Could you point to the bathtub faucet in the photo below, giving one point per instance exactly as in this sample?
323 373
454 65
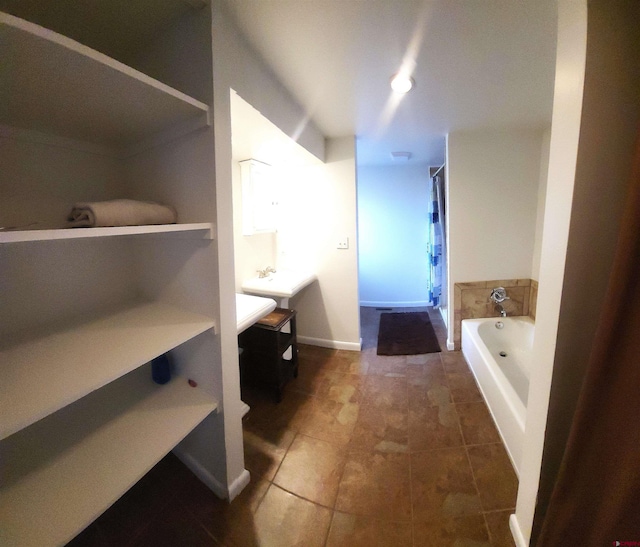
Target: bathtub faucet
498 296
501 309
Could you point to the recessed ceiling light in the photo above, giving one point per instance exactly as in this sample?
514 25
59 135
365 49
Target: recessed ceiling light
401 83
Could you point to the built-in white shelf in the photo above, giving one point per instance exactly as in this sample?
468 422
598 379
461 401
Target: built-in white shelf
56 85
43 374
202 230
64 471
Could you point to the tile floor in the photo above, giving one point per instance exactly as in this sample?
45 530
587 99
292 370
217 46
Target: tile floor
363 450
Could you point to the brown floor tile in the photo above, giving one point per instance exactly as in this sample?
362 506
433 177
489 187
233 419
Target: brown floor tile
463 387
441 335
429 360
442 485
312 469
381 429
288 414
434 427
495 477
341 387
330 421
284 519
469 531
259 400
384 392
310 376
220 517
344 433
264 449
348 362
384 365
124 521
428 386
175 526
369 326
92 536
499 530
353 531
477 424
376 485
314 354
454 362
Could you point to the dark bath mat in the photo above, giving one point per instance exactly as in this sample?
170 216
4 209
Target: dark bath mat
406 334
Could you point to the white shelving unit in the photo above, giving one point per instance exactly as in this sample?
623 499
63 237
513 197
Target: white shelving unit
46 373
71 466
80 418
202 230
57 85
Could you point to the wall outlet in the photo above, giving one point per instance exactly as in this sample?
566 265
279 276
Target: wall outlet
343 243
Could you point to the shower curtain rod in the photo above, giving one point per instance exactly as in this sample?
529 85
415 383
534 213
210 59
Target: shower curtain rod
439 169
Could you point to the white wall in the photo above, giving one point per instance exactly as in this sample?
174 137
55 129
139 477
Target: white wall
324 212
254 136
393 235
179 57
565 127
597 131
236 66
493 180
542 194
316 208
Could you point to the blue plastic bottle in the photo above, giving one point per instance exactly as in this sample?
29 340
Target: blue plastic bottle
160 369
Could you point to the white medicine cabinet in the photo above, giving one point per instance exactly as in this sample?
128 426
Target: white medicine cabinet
259 197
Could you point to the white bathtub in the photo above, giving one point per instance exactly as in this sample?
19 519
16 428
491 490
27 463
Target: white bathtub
500 359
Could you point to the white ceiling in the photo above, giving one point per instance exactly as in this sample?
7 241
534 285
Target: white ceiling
254 137
478 64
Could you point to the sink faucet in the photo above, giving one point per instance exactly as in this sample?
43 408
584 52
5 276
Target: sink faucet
264 273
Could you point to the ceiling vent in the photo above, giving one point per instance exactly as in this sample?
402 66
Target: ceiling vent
401 157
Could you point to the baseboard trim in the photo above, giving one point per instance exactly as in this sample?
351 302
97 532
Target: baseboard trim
238 485
244 408
203 474
333 344
444 313
413 304
516 532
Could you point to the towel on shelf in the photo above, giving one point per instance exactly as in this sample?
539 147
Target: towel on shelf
120 212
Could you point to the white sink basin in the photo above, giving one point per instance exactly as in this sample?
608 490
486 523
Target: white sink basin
250 309
282 284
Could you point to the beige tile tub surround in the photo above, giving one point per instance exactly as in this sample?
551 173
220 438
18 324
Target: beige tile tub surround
471 301
533 299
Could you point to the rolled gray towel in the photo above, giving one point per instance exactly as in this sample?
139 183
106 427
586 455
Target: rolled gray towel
120 212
